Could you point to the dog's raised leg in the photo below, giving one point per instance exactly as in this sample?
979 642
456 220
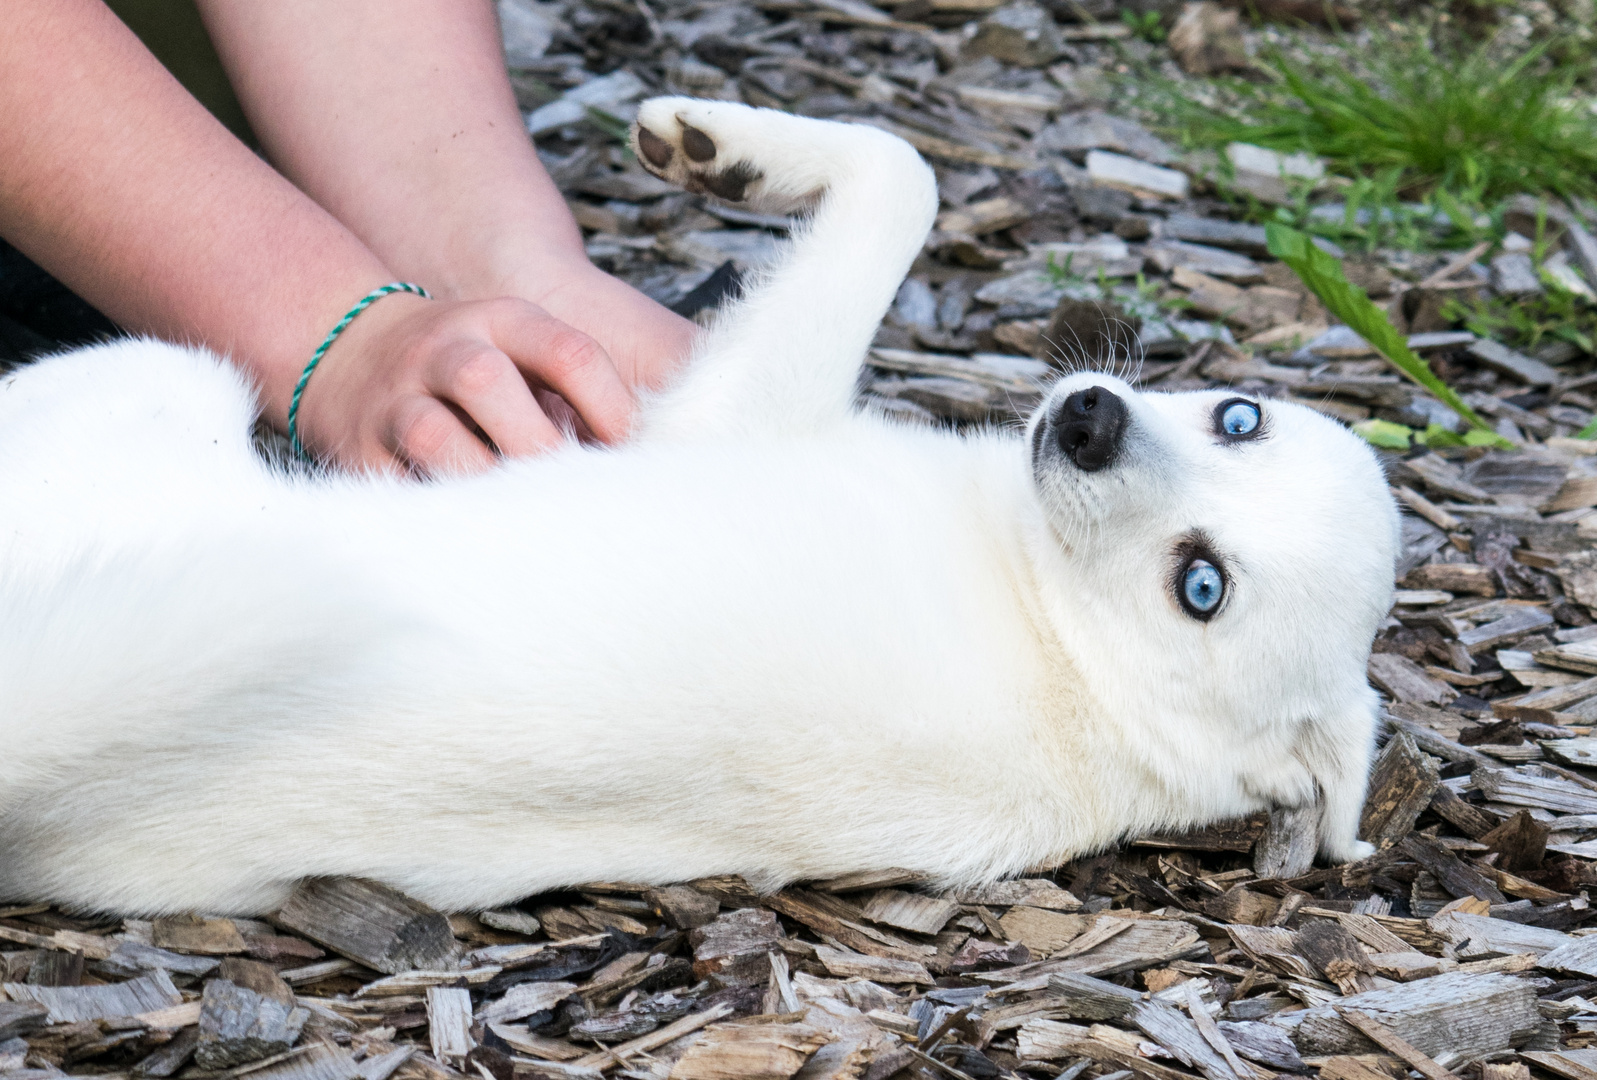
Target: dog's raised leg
784 359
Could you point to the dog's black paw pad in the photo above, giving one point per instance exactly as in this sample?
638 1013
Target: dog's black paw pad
655 149
731 184
696 144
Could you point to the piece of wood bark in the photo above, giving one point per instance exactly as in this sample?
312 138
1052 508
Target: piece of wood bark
1086 998
1113 945
21 1018
202 937
170 1056
1286 847
1578 955
1369 930
1518 787
909 911
314 1061
1394 1043
1238 835
449 1023
1343 1067
1180 1035
1022 892
1402 718
682 906
749 1052
1050 1040
1405 965
733 947
1242 905
73 1004
382 1066
1214 1036
132 959
1042 931
1406 681
1273 948
1456 1013
247 1013
833 917
1401 786
1471 821
51 968
1521 841
1262 1042
1571 1064
1452 873
1337 953
371 924
654 1040
1480 936
865 880
524 1000
881 969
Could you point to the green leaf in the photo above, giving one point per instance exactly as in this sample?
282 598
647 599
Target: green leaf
1437 435
1384 433
1322 273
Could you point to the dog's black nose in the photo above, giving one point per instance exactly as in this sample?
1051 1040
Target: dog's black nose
1088 426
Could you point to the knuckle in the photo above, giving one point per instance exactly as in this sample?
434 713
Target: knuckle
476 373
570 351
423 432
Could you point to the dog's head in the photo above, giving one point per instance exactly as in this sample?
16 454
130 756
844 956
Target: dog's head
1221 557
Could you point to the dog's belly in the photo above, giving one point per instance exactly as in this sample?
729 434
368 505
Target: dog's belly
778 661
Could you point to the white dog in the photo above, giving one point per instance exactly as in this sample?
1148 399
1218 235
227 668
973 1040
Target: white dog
772 636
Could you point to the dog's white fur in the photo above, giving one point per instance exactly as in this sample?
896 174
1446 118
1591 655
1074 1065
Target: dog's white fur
771 636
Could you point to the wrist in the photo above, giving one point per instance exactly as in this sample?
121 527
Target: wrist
277 375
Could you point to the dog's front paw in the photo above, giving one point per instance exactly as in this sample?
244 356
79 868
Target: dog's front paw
686 141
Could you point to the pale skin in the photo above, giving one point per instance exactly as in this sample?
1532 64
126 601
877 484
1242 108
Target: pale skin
399 154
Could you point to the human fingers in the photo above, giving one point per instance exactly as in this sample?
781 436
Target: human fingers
428 437
568 362
484 384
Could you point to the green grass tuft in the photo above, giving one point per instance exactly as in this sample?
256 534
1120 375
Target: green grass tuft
1436 119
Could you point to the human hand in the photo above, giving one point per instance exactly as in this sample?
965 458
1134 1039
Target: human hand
646 342
411 383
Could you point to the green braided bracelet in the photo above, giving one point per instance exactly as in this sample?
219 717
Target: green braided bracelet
327 343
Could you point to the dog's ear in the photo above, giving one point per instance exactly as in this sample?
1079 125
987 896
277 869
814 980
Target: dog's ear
1337 750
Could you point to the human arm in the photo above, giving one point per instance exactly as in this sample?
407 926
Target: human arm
121 185
397 116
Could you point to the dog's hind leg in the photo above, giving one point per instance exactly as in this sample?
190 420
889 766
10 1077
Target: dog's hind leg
1337 753
785 358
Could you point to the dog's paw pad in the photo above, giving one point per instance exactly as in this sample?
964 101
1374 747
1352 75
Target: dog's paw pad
683 152
653 149
696 144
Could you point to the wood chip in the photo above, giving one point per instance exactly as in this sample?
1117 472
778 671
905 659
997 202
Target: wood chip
72 1004
370 924
749 1052
1456 1013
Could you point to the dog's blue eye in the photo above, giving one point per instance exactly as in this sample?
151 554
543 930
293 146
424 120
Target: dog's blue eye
1239 418
1203 586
